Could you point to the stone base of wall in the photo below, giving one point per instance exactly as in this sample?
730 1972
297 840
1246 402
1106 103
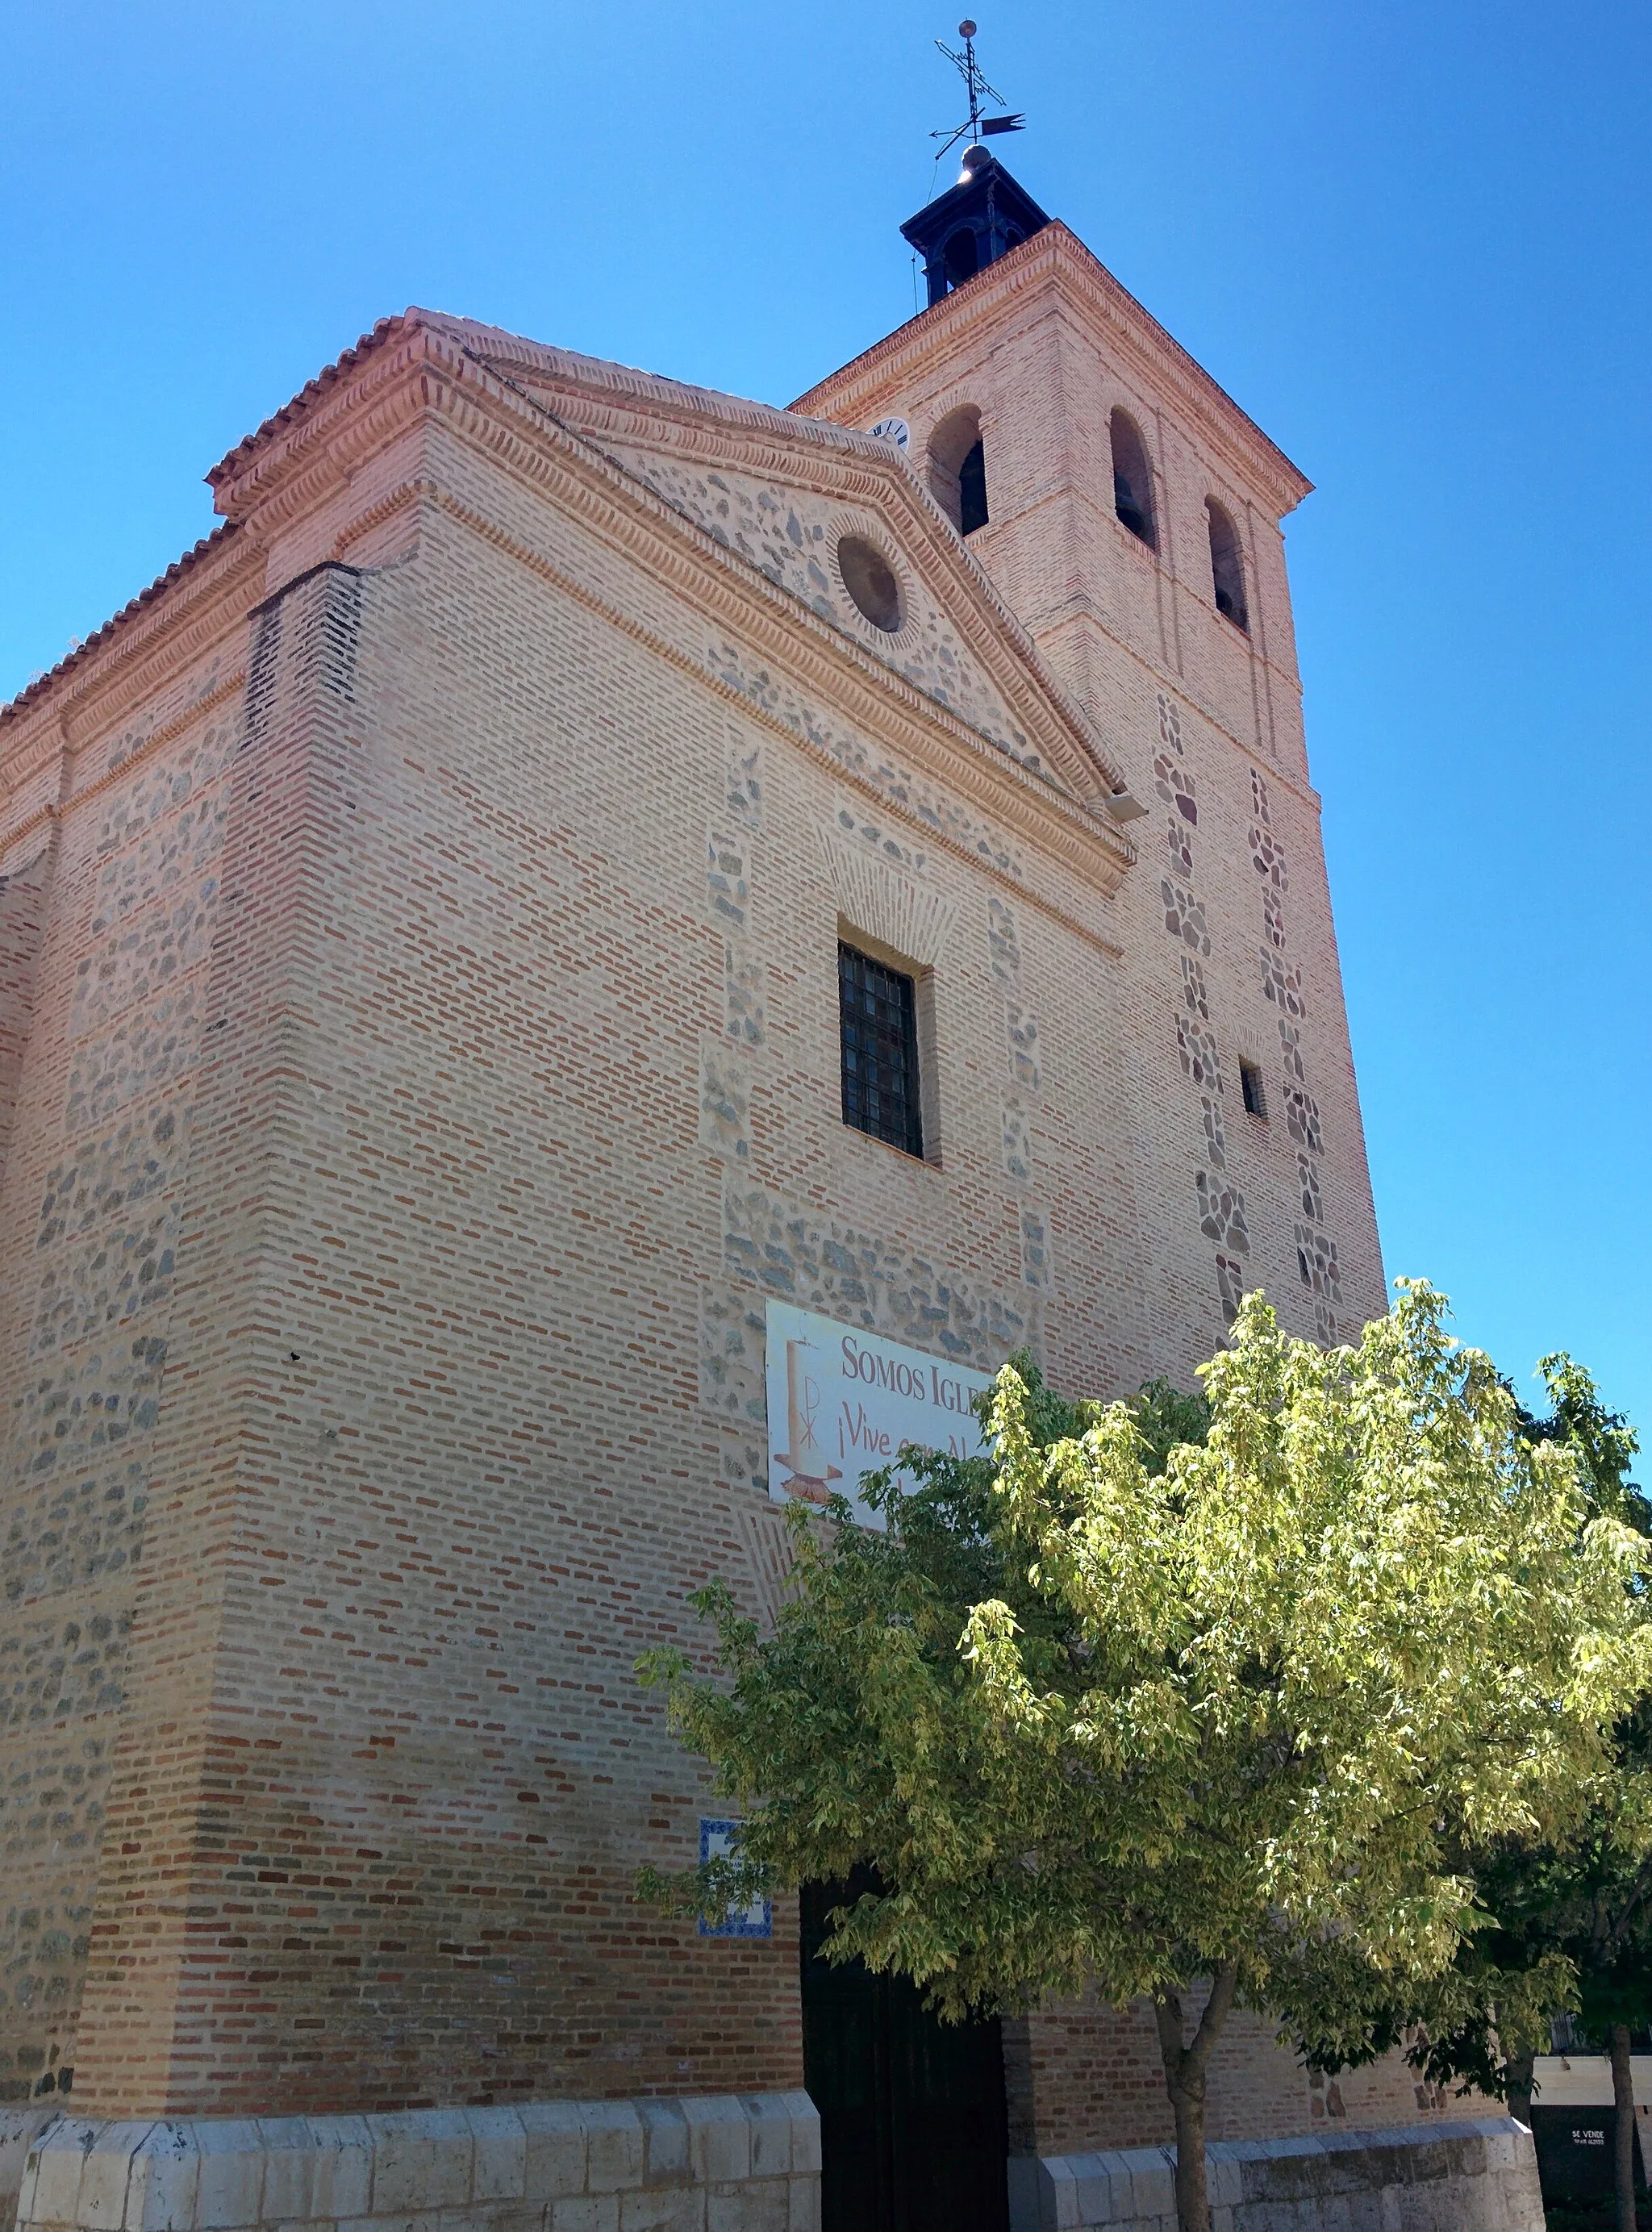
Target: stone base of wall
1468 2177
713 2164
19 2128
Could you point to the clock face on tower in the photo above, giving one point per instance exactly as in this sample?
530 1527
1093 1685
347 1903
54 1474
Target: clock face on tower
892 429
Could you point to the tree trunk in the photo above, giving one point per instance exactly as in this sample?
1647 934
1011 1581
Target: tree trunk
1516 2085
1186 2069
1623 2102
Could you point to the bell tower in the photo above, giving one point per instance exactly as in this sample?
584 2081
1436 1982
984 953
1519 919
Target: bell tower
1130 516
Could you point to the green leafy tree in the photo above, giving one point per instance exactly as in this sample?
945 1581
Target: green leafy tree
1186 1703
1570 1927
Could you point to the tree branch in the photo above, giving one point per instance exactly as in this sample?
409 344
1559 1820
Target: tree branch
1223 1987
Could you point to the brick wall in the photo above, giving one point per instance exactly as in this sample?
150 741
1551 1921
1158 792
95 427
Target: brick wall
431 1064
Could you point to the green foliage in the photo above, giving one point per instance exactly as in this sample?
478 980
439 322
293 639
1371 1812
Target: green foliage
1227 1687
1568 1925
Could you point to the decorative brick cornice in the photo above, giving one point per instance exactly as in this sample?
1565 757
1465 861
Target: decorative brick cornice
419 367
1056 261
194 605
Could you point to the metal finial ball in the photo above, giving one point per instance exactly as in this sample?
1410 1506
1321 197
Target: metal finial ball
966 29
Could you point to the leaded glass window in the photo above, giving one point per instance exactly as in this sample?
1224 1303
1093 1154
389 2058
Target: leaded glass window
877 1011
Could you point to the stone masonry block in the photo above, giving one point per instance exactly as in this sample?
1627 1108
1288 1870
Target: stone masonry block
664 2209
722 2141
1059 2196
753 2205
771 2135
51 2179
806 2133
591 2212
499 2167
421 2161
1415 2178
1223 2175
315 2167
489 2217
229 2191
1098 2200
665 2143
164 2184
614 2145
803 2205
725 1102
555 2139
101 2201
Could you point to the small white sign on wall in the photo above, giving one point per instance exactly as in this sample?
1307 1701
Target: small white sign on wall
842 1402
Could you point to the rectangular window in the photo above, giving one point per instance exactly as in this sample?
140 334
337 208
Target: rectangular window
1250 1084
878 1019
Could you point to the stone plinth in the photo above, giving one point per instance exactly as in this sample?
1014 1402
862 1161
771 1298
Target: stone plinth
710 2164
1471 2176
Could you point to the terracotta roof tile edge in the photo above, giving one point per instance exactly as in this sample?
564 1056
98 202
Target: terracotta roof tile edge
31 691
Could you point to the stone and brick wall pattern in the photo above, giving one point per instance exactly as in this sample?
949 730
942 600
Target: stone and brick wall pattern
428 1065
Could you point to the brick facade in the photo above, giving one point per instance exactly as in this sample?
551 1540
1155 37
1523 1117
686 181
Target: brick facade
419 1060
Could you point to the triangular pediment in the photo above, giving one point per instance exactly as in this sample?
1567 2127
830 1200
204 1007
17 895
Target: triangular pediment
781 494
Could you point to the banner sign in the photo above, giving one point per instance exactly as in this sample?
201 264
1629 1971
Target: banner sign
842 1401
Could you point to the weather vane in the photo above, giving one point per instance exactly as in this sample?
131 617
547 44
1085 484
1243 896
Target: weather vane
978 127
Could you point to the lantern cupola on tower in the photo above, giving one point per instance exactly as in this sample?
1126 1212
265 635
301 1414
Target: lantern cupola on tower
973 223
986 213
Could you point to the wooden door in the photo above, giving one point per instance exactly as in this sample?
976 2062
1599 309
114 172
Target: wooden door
912 2128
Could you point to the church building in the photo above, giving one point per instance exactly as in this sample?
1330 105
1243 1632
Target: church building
594 953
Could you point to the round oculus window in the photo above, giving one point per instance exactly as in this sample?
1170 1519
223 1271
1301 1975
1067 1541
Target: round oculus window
870 579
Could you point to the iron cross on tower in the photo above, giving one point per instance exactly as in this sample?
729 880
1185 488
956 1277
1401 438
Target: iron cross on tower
978 127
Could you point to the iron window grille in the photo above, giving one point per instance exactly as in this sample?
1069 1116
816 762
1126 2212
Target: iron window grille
878 1016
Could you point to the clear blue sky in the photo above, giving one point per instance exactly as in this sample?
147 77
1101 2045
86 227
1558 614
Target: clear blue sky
1411 239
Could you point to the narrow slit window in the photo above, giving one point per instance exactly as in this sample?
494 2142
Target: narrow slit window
1250 1085
877 1020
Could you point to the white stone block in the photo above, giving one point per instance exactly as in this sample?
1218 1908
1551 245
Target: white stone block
770 2125
1225 2177
1094 2185
614 2143
317 2167
722 2141
229 2191
163 2179
591 2212
499 2163
51 2186
400 2221
806 2132
421 2161
101 2202
20 2129
553 2133
803 2204
1061 2193
753 2205
664 2209
666 2154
